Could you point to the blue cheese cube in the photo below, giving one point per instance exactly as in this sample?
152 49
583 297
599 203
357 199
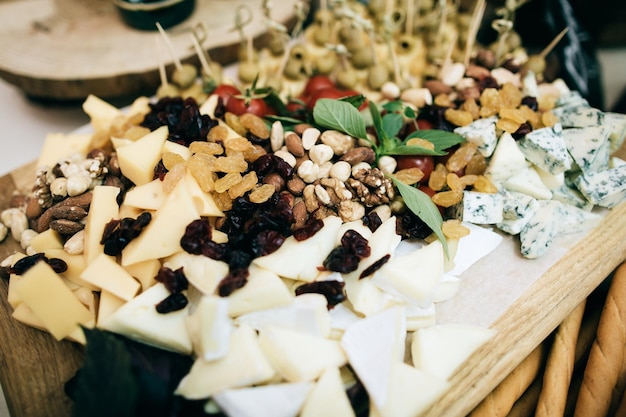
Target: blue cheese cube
571 196
506 161
605 188
617 123
589 146
537 236
481 132
577 220
546 148
551 181
572 98
479 208
579 116
528 182
518 209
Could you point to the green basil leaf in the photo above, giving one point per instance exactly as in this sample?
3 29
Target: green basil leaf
356 100
409 113
440 138
392 123
423 207
378 122
339 115
393 106
413 150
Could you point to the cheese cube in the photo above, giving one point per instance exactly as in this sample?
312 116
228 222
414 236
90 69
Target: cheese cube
605 188
589 146
546 148
537 236
48 239
106 274
507 159
528 182
59 310
580 115
263 290
481 132
58 146
103 209
479 208
328 397
138 159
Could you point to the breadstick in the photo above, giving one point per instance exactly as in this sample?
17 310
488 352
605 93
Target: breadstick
525 406
500 401
560 366
607 353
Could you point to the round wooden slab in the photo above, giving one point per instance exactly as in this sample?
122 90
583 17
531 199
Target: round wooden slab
67 49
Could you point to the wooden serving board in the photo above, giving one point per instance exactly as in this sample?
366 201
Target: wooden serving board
524 300
68 49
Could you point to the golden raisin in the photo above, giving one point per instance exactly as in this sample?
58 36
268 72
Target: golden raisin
546 102
262 194
254 153
424 143
469 179
515 115
217 134
223 201
448 198
208 148
454 182
173 177
201 166
233 164
227 181
484 185
442 100
409 176
491 99
549 119
458 117
461 157
170 159
233 121
437 179
238 144
255 125
471 107
477 165
453 229
247 183
511 95
507 125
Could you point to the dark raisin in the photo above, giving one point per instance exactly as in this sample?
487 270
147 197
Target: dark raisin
332 290
530 102
374 267
233 281
355 243
214 250
524 129
159 171
372 220
196 234
266 242
341 260
172 302
174 281
410 226
22 265
119 233
487 82
58 265
311 227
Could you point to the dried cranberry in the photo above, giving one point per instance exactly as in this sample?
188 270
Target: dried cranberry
233 281
58 265
196 234
355 243
174 281
374 267
531 102
119 233
159 171
372 220
487 82
311 227
266 242
341 260
332 290
524 129
410 226
172 302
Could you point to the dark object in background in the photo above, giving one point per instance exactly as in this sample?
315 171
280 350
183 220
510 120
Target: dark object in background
573 59
144 14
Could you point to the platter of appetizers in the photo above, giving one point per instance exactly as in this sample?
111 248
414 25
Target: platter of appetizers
298 238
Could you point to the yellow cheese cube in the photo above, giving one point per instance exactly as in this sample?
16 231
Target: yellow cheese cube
120 142
103 209
149 196
176 148
162 236
101 113
48 239
145 272
75 266
204 201
44 292
138 159
108 304
58 146
107 275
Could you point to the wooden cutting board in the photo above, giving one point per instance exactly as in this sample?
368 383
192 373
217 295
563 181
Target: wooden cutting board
68 49
524 300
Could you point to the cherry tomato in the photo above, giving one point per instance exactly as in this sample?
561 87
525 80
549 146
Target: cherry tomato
426 190
239 106
226 91
423 162
317 82
329 92
424 124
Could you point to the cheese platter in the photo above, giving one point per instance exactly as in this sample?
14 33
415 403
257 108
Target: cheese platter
502 280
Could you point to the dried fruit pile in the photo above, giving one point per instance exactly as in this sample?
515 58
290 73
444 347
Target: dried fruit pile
287 244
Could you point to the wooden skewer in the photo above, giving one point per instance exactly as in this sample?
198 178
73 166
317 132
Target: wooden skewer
477 17
201 55
170 46
552 44
162 74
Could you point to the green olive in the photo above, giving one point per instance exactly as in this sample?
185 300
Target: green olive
248 71
405 44
513 40
167 90
352 38
295 70
276 46
377 76
185 75
346 79
362 58
536 64
326 64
